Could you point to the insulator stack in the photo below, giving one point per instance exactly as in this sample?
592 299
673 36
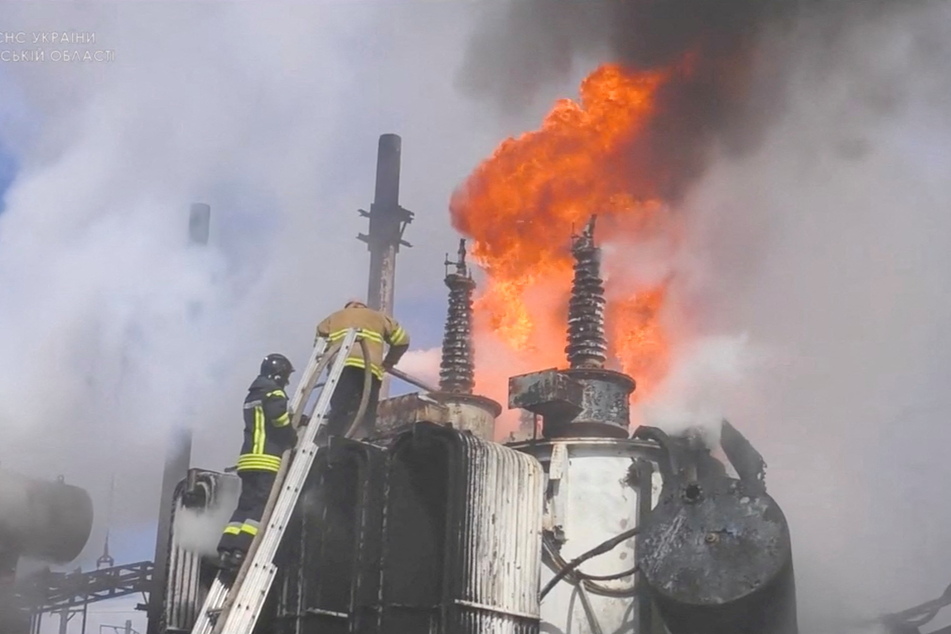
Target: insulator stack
456 369
587 346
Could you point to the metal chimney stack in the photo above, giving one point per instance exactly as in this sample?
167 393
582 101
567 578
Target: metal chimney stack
586 400
456 373
388 221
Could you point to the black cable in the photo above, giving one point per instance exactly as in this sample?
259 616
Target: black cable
576 576
614 577
920 614
577 561
550 550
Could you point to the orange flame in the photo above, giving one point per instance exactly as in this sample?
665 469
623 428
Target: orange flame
521 205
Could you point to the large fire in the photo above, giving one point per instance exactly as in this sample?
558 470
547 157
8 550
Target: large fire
521 205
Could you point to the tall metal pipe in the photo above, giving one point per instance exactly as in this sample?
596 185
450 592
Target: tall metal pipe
385 236
387 222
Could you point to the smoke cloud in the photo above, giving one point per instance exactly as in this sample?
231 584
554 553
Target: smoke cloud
422 364
199 531
722 90
811 290
115 330
808 300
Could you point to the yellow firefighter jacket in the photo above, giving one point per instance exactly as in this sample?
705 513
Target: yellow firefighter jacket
373 327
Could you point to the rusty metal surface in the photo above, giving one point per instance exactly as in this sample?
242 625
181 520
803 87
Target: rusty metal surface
461 535
400 412
605 404
550 393
576 402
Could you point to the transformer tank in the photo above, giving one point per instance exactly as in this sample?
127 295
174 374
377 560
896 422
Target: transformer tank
716 554
49 521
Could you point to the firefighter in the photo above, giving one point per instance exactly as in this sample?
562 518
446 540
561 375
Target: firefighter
267 434
376 329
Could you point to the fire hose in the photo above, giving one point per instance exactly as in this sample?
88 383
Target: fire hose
367 379
412 380
365 395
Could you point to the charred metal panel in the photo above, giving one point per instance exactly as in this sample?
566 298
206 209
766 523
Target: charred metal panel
717 555
414 534
720 557
547 393
397 414
202 504
605 405
576 402
461 536
329 565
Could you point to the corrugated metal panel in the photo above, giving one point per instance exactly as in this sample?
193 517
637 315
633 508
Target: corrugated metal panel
499 533
462 535
187 579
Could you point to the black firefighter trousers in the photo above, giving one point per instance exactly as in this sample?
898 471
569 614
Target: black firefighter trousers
246 519
345 401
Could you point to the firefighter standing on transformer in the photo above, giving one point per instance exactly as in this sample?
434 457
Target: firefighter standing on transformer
376 329
267 434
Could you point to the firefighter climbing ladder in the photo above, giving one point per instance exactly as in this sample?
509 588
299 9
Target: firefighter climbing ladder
234 608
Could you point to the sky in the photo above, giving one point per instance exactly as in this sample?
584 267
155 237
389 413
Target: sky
818 262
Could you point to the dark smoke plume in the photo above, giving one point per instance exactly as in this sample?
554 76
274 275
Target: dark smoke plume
731 56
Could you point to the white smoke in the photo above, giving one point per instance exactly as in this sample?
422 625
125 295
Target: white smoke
113 329
199 531
422 364
812 300
705 375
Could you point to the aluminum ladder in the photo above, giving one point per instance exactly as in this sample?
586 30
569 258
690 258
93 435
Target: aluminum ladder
233 607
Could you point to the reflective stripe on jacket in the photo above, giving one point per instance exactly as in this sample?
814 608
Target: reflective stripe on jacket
267 430
374 327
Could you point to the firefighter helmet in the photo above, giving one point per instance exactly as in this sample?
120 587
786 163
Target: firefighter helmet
277 367
355 303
